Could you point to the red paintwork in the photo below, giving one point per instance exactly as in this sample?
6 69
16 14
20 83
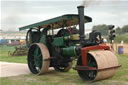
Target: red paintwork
85 50
70 23
85 68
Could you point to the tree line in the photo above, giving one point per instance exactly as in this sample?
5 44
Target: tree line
104 29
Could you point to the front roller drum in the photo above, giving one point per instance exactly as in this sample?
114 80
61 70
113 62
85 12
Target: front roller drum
105 62
38 56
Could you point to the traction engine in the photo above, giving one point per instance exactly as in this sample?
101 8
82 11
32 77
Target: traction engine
57 42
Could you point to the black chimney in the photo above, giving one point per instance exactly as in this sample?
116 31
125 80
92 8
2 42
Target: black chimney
81 23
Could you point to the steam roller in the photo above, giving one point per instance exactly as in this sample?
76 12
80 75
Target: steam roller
49 47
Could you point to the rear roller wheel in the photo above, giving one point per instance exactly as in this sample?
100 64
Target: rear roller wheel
37 55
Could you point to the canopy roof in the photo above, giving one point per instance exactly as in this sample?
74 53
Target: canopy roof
58 22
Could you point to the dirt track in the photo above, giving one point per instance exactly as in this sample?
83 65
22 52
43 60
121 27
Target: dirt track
13 69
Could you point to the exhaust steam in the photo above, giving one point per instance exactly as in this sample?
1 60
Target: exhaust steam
88 3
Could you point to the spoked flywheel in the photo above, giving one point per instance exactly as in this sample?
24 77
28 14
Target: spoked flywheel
37 58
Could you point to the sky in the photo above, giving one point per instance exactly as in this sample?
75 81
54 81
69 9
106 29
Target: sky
18 13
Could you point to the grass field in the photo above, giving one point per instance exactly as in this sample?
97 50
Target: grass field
58 78
5 57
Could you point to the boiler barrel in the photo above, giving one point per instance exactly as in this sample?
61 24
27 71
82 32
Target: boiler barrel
69 51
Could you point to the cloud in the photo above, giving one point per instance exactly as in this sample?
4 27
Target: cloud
20 13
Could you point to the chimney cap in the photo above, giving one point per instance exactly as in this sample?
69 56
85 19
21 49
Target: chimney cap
80 6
